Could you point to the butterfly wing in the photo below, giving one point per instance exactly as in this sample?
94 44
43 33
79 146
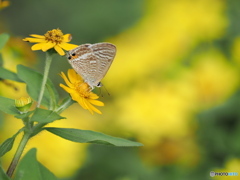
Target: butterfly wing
104 53
92 61
80 58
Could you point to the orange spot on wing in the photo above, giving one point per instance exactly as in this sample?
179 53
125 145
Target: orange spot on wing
73 57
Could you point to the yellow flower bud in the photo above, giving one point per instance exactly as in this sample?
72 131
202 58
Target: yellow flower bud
23 104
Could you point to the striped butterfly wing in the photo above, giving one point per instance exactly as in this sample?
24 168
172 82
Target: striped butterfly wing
92 61
104 53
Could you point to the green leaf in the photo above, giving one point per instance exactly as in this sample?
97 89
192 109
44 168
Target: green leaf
45 116
3 175
8 106
1 60
30 169
33 80
87 136
7 144
3 40
6 74
24 115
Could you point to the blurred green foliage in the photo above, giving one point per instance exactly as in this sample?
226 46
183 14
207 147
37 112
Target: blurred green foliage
219 132
88 21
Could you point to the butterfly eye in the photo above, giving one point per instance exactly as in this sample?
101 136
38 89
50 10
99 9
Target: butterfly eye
73 54
69 57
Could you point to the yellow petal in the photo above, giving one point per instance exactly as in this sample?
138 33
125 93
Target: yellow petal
93 96
78 77
87 107
66 80
72 75
25 39
75 96
96 102
59 50
82 103
67 37
48 46
67 89
38 46
37 36
68 46
33 40
92 107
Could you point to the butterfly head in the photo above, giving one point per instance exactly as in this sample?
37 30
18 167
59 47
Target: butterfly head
78 51
99 84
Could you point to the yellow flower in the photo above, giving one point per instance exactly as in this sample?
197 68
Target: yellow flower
52 39
80 91
4 4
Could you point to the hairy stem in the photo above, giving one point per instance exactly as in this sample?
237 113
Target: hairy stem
18 154
45 76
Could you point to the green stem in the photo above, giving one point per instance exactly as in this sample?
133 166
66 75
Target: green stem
68 102
45 76
29 125
38 127
18 154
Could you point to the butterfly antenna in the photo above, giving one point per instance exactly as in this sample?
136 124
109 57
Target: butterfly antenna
100 92
106 90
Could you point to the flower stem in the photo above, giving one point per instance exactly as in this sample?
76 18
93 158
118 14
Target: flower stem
68 102
18 154
45 76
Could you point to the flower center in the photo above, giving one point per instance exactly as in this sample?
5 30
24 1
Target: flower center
82 89
55 36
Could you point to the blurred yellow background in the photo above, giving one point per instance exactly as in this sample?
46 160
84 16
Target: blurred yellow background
174 86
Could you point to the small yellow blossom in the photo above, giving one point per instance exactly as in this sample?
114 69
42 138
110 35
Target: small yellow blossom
52 39
23 104
80 91
4 4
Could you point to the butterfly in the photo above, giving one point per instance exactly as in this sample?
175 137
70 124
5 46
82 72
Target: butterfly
92 61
